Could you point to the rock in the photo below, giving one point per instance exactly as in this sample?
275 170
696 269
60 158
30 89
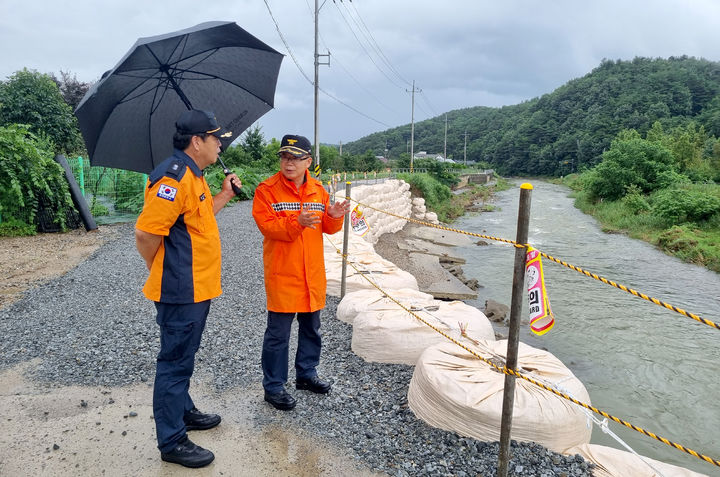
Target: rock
495 311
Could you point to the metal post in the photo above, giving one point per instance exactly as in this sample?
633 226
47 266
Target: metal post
445 142
315 87
346 236
412 125
514 331
81 175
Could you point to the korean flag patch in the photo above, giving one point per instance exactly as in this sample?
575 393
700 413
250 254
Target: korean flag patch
166 192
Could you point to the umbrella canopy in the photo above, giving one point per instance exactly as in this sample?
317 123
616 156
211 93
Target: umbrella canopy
127 119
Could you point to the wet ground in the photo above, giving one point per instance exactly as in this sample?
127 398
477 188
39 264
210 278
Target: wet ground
71 431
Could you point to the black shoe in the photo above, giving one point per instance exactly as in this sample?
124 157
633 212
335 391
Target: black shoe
281 400
188 454
313 384
198 421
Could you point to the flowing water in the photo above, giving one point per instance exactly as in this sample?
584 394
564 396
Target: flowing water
640 362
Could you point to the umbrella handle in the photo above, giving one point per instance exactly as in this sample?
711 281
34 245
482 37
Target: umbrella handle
227 172
235 188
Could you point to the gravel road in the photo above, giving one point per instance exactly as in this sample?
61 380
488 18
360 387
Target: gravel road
93 327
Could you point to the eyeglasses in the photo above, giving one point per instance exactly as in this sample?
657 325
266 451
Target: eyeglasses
290 158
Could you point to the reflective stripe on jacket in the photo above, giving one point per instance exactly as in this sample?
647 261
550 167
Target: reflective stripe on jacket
292 254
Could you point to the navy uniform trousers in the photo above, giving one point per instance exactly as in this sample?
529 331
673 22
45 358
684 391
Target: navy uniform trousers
275 348
181 327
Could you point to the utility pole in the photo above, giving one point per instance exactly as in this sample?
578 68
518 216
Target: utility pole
412 124
316 85
465 149
445 144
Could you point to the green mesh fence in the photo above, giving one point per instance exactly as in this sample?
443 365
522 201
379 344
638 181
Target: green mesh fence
116 195
113 195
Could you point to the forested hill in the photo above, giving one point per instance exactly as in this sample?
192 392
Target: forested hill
569 128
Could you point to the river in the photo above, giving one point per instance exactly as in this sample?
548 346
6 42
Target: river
640 362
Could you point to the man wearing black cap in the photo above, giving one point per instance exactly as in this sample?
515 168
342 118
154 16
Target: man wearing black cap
293 210
177 236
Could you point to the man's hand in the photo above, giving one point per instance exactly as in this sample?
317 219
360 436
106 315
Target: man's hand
338 209
308 218
230 181
226 192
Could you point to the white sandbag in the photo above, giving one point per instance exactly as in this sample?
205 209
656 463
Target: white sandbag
453 390
618 463
417 201
373 300
382 272
431 217
395 336
356 244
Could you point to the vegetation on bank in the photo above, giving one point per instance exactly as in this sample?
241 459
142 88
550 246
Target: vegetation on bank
660 188
440 199
567 130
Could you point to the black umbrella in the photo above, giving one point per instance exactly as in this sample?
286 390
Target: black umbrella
128 117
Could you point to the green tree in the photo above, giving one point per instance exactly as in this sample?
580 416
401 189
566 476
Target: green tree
330 158
368 162
30 178
630 162
254 143
235 156
32 98
71 89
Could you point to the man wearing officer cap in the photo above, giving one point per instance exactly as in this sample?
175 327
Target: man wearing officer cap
292 211
177 236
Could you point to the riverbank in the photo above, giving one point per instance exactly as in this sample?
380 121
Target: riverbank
598 326
692 240
89 336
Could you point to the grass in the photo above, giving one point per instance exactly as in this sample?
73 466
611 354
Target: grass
697 243
455 207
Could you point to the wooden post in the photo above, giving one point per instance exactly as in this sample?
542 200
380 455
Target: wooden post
514 331
346 236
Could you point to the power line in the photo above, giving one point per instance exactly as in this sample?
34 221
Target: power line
369 93
277 27
357 111
363 47
378 49
427 101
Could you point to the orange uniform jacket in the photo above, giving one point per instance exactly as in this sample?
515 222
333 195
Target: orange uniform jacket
292 254
179 206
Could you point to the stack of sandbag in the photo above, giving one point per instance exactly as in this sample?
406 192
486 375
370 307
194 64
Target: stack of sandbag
395 336
611 462
381 272
374 300
362 262
333 247
453 390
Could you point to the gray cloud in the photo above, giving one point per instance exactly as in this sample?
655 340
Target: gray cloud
461 53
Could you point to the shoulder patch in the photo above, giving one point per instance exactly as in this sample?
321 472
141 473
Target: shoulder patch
167 192
173 169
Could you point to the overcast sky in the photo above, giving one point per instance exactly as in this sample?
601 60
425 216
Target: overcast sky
460 53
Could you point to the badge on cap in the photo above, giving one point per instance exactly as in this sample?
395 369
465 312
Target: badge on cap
166 192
